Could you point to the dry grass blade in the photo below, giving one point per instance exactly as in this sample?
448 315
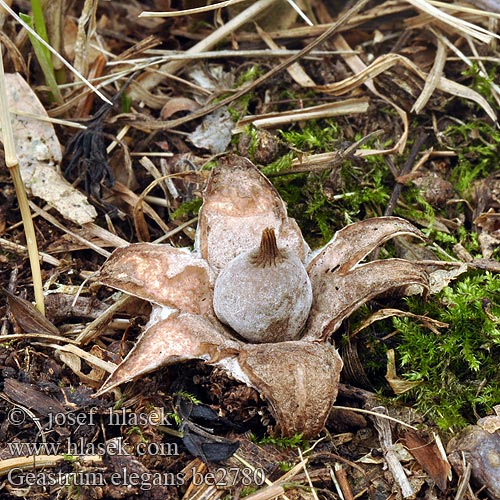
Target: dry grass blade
151 80
457 24
430 323
187 12
387 61
393 463
89 358
294 70
358 66
343 19
433 78
461 8
13 166
347 107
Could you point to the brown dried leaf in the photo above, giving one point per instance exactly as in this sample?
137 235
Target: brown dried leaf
28 317
180 337
427 454
299 380
32 397
161 274
177 104
491 423
355 241
239 203
337 295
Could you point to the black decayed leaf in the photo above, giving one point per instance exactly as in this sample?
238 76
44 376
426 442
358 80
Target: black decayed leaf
209 450
200 441
89 160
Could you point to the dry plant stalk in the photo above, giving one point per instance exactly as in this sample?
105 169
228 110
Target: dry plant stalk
13 166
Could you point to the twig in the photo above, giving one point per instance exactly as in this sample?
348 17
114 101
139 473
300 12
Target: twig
343 482
13 167
417 145
385 437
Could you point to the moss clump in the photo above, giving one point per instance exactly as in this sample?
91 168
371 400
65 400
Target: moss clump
458 368
477 145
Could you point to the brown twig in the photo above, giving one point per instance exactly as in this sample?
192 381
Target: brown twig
417 145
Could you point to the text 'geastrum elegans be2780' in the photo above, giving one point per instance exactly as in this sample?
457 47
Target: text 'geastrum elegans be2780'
252 298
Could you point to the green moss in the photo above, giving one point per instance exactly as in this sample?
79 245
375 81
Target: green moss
477 146
249 75
458 368
317 135
247 490
481 82
191 207
284 442
324 202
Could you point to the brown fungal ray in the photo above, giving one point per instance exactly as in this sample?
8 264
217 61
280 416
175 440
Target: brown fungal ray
337 295
354 242
238 204
298 379
162 274
180 337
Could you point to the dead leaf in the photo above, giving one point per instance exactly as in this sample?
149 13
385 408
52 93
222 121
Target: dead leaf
215 132
427 454
28 317
176 104
39 154
491 423
30 396
398 385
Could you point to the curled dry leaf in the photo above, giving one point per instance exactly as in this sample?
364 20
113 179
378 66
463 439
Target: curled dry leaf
27 316
428 455
243 217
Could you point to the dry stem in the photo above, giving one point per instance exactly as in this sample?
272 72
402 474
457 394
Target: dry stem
13 166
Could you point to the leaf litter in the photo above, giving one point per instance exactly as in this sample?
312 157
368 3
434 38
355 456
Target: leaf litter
413 63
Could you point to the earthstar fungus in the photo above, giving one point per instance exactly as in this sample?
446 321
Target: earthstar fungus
244 232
